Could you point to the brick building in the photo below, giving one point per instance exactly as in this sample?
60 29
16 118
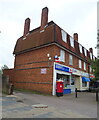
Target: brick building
47 54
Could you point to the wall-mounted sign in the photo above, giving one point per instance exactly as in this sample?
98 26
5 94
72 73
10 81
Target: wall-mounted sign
43 71
92 76
61 68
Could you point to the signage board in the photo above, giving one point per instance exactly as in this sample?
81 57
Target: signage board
61 68
43 71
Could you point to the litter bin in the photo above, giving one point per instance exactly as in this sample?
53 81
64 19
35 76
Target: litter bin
59 88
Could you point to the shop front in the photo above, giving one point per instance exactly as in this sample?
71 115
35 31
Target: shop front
62 72
71 77
81 79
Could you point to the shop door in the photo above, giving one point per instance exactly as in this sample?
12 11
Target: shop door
73 83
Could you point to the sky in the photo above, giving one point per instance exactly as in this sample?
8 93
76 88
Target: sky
74 16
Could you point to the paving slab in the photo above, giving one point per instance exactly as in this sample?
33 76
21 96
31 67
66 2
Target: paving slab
26 105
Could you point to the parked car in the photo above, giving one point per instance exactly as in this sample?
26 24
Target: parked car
94 86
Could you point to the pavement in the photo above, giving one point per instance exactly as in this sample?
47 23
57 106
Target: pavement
28 105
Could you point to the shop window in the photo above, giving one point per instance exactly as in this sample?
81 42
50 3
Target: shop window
80 64
84 66
84 84
62 55
80 48
72 42
64 35
65 78
70 60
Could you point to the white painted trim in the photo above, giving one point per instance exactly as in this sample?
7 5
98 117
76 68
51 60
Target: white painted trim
54 77
54 81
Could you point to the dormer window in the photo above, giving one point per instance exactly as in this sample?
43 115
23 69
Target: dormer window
85 51
64 35
72 42
80 48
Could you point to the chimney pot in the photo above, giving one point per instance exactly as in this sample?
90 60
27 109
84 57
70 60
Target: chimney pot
44 17
75 36
26 26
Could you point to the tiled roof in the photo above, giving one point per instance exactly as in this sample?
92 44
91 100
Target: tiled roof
35 38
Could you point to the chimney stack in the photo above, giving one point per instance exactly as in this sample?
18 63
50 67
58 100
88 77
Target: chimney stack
44 18
91 50
26 26
75 36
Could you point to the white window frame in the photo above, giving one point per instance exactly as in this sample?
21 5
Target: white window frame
70 59
80 48
62 55
72 42
84 66
80 64
64 35
85 51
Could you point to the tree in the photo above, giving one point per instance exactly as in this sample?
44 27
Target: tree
2 68
95 68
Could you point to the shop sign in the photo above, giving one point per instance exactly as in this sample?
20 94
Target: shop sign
81 73
43 71
84 74
75 71
61 68
92 76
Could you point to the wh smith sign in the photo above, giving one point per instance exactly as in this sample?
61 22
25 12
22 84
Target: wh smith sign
61 68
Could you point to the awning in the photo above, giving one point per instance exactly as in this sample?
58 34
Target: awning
84 79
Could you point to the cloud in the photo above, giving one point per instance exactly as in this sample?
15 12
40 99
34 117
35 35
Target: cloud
71 15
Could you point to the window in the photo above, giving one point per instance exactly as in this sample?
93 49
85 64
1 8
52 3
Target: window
64 35
80 48
91 55
90 69
80 64
84 84
72 42
84 66
85 51
94 58
70 60
62 55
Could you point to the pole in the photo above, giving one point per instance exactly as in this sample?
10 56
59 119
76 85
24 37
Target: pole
97 95
76 92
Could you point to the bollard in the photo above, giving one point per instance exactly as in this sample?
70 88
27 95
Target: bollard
97 96
76 92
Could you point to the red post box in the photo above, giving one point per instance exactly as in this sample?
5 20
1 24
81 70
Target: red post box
59 88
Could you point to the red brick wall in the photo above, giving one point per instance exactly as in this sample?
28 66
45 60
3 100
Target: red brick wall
75 60
10 73
28 70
